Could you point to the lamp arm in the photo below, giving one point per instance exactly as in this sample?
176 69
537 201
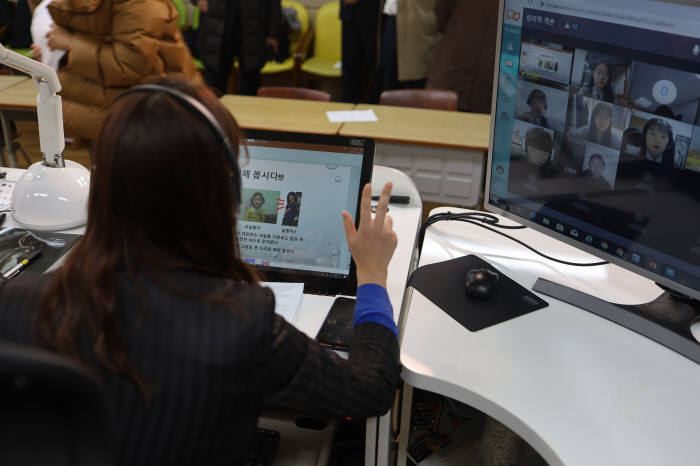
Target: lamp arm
49 109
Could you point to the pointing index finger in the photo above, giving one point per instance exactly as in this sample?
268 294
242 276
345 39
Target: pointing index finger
366 206
383 204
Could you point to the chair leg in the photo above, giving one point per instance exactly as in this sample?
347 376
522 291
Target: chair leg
18 148
7 141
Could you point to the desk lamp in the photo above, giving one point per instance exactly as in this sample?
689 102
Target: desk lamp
52 194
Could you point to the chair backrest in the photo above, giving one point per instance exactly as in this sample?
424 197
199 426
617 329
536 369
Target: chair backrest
328 32
303 17
435 99
52 411
300 93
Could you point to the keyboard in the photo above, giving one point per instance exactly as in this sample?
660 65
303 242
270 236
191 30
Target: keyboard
264 446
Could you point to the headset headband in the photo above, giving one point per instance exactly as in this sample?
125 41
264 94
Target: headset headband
199 108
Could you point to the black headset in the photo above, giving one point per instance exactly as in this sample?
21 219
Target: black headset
196 107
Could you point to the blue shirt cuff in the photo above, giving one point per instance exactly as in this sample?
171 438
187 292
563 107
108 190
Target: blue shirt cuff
373 305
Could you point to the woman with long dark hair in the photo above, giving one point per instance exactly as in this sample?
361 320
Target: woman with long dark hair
659 145
600 126
599 86
156 299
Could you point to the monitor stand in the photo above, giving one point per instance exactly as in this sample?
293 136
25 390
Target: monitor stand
666 320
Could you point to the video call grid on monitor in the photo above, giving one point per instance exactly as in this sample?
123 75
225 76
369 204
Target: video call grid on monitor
294 187
597 130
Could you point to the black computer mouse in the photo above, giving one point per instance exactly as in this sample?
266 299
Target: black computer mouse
480 283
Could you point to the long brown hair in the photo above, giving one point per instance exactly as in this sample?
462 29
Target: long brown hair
160 200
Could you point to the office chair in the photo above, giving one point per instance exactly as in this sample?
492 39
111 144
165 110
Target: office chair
52 411
300 93
326 60
435 99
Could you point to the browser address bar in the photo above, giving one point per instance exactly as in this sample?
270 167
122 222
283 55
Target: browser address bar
613 15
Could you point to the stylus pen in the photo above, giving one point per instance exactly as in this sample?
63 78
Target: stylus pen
395 199
21 265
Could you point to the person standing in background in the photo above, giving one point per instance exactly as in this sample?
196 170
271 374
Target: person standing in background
360 20
246 29
111 46
464 57
409 35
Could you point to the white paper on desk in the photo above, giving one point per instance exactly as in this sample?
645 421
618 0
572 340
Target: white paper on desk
351 115
287 298
41 24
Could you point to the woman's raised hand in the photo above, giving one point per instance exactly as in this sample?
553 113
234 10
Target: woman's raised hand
372 244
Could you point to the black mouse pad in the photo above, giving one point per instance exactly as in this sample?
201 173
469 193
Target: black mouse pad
443 284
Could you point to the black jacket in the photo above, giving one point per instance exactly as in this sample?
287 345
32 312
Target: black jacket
213 369
258 20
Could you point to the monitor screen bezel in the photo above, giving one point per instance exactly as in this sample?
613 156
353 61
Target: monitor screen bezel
314 283
659 279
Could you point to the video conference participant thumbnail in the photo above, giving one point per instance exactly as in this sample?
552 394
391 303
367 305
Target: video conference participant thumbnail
666 92
532 171
545 62
600 76
541 105
597 121
661 140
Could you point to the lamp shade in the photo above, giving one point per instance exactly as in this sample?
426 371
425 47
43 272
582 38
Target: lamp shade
50 198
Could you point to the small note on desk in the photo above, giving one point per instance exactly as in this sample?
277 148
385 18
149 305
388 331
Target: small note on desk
351 115
287 298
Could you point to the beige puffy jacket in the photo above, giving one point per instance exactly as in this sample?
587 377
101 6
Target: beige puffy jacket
116 44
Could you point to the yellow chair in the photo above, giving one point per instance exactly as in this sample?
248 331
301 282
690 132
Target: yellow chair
327 44
298 44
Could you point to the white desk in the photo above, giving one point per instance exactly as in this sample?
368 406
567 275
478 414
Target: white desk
580 389
313 309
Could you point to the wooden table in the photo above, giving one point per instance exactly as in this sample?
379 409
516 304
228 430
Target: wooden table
436 128
10 80
443 152
303 116
16 92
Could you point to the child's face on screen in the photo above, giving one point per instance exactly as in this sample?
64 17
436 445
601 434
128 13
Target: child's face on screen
601 75
538 106
257 201
596 165
602 121
657 140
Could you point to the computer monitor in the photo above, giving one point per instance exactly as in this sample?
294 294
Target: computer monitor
595 136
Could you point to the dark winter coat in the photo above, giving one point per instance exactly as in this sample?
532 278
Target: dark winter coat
259 19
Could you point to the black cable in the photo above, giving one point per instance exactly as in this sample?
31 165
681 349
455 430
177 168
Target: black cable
475 217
